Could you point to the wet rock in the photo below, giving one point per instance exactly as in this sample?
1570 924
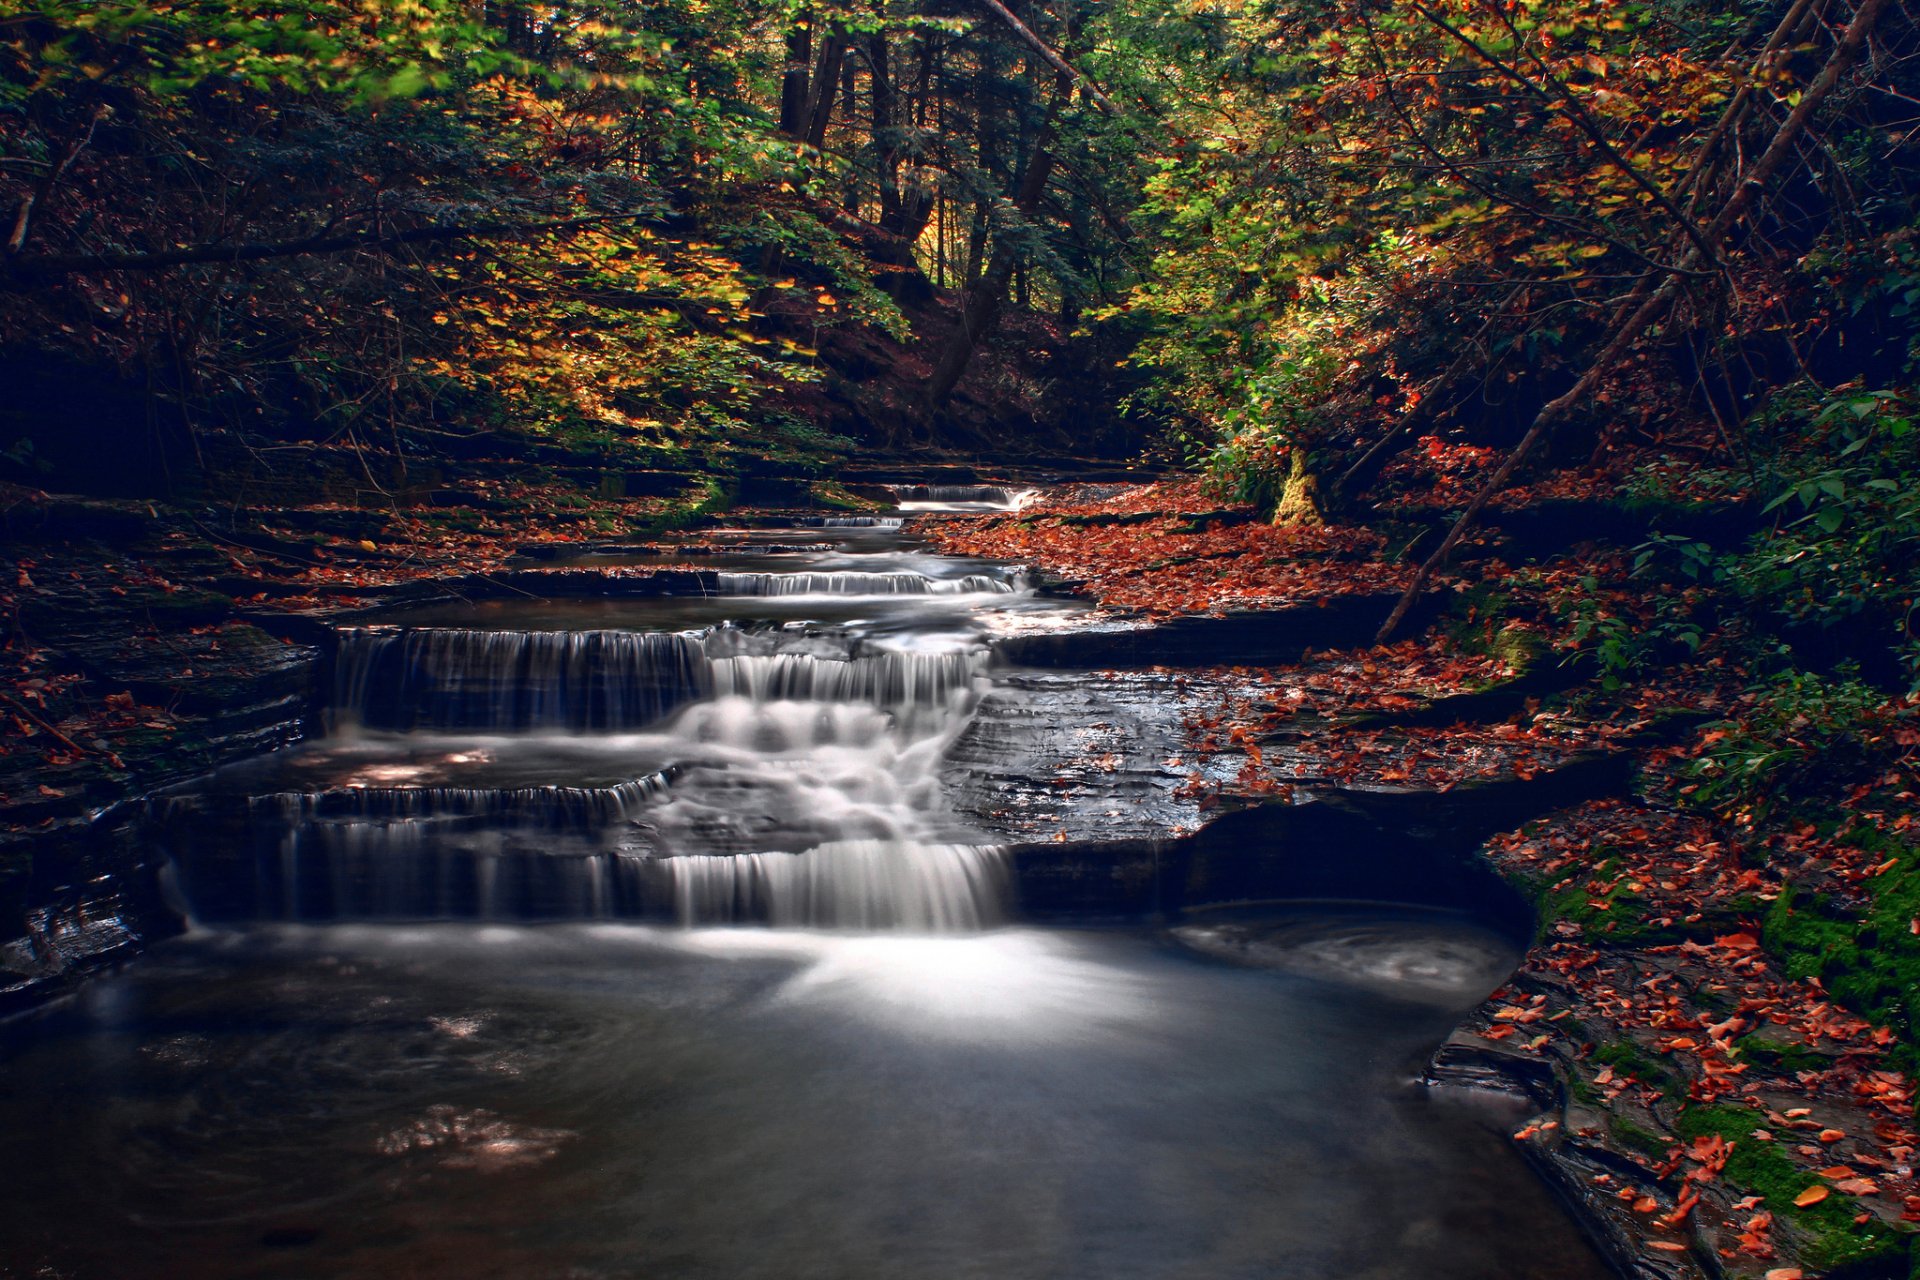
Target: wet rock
1264 637
73 902
1076 758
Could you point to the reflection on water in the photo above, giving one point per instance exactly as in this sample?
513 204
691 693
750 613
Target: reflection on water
610 1100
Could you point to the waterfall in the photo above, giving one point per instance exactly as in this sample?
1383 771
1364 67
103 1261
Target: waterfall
853 522
852 884
454 678
610 680
982 496
746 771
549 806
882 679
860 584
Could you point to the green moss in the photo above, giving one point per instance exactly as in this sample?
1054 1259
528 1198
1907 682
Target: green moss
1869 961
714 497
1483 623
834 496
1834 1240
1617 917
1637 1137
1778 1056
1627 1058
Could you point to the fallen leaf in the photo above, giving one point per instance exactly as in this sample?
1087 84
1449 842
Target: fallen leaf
1811 1196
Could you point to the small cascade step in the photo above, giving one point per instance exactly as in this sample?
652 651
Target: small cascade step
881 679
854 884
331 871
558 807
611 681
862 584
456 678
961 497
853 522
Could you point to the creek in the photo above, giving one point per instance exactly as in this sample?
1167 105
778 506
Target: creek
639 935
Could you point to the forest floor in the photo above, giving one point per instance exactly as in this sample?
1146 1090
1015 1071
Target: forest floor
1735 1111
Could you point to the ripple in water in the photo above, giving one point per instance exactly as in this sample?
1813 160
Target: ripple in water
1429 957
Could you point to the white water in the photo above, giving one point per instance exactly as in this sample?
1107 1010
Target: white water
852 884
963 497
784 773
861 584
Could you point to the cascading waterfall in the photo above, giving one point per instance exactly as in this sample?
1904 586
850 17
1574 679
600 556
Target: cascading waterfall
550 806
777 773
882 680
457 678
860 584
451 678
853 522
980 497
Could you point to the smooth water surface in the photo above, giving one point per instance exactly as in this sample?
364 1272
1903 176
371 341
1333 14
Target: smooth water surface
621 1101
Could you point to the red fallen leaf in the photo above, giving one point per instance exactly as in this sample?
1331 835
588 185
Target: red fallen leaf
1857 1187
1647 1204
1742 941
1838 1171
1811 1196
1667 1246
52 793
1785 1273
1832 1135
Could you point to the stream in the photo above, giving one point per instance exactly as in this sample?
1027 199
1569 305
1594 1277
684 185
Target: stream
638 935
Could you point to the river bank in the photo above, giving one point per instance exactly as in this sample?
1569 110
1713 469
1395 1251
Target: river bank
1707 1101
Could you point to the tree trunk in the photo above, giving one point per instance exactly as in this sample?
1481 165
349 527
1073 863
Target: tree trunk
793 81
826 80
988 294
886 136
1300 497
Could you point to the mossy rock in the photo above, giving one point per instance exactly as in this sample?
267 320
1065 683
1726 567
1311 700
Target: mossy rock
1828 1237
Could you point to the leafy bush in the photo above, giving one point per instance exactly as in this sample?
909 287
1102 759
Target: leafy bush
1845 552
1802 735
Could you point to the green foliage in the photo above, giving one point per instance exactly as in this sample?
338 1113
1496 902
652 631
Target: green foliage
366 53
1844 553
1621 648
1798 736
630 147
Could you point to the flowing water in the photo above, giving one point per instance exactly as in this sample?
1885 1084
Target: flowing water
633 937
